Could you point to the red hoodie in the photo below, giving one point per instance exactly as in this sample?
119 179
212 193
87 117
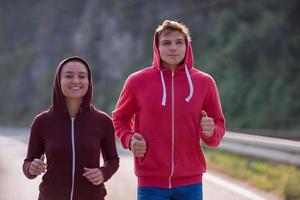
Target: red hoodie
70 145
166 110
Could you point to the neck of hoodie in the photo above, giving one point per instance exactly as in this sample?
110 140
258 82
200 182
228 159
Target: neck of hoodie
172 68
73 106
59 102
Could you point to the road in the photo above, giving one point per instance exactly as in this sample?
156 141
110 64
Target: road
14 185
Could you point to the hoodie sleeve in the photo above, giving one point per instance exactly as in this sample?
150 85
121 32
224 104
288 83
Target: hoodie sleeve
123 114
109 151
212 105
35 147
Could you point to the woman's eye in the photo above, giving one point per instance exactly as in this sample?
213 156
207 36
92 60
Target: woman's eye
82 77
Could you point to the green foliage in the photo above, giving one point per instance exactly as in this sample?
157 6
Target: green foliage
258 63
281 179
251 48
291 190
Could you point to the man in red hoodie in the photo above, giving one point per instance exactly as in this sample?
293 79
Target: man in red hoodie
163 113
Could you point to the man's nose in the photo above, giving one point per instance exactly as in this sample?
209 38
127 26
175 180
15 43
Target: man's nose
173 47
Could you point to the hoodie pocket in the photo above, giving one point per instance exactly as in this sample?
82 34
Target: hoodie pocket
158 156
55 184
189 159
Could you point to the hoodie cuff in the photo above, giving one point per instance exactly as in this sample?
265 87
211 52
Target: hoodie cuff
207 138
104 173
27 173
213 140
127 140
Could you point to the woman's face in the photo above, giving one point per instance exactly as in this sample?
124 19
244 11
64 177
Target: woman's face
74 80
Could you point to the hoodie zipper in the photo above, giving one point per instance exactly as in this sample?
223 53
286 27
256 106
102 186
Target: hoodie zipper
172 158
73 156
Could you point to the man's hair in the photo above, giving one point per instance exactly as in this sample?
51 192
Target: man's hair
169 26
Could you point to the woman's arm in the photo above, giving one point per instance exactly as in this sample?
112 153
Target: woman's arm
34 151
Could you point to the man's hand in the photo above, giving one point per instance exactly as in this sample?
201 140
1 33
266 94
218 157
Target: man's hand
138 145
207 124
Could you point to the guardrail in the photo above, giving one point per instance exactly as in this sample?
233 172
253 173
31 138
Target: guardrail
283 134
281 150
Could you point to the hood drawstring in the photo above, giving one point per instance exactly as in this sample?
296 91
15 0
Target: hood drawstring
164 98
188 98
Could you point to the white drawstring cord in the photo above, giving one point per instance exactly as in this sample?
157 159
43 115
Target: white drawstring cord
188 98
163 102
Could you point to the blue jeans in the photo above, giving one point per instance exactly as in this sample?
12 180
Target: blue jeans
189 192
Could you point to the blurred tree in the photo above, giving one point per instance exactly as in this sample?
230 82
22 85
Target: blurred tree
251 48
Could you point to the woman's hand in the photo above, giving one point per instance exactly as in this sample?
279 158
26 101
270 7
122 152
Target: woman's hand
94 175
37 166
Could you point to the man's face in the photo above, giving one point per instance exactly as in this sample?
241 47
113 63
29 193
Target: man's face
172 48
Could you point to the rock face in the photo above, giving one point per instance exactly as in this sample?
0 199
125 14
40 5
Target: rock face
250 48
115 37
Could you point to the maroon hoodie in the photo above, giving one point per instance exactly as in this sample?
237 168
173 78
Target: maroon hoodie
70 144
166 108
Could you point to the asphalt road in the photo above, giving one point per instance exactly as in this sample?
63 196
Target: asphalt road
15 186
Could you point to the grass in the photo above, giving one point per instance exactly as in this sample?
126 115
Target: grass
278 178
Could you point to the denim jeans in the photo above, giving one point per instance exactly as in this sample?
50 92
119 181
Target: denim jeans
188 192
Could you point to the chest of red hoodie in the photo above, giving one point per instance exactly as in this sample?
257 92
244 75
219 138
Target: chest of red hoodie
172 131
156 121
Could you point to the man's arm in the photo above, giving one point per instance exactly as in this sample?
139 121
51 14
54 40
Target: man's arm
213 109
124 112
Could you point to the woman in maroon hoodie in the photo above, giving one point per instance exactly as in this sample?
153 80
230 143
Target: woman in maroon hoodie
71 134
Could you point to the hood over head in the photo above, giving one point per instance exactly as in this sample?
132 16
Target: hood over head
188 60
58 100
187 65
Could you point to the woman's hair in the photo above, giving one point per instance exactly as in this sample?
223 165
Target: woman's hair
75 59
168 26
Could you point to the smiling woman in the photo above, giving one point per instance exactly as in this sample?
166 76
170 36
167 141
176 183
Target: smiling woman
74 80
74 84
71 135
